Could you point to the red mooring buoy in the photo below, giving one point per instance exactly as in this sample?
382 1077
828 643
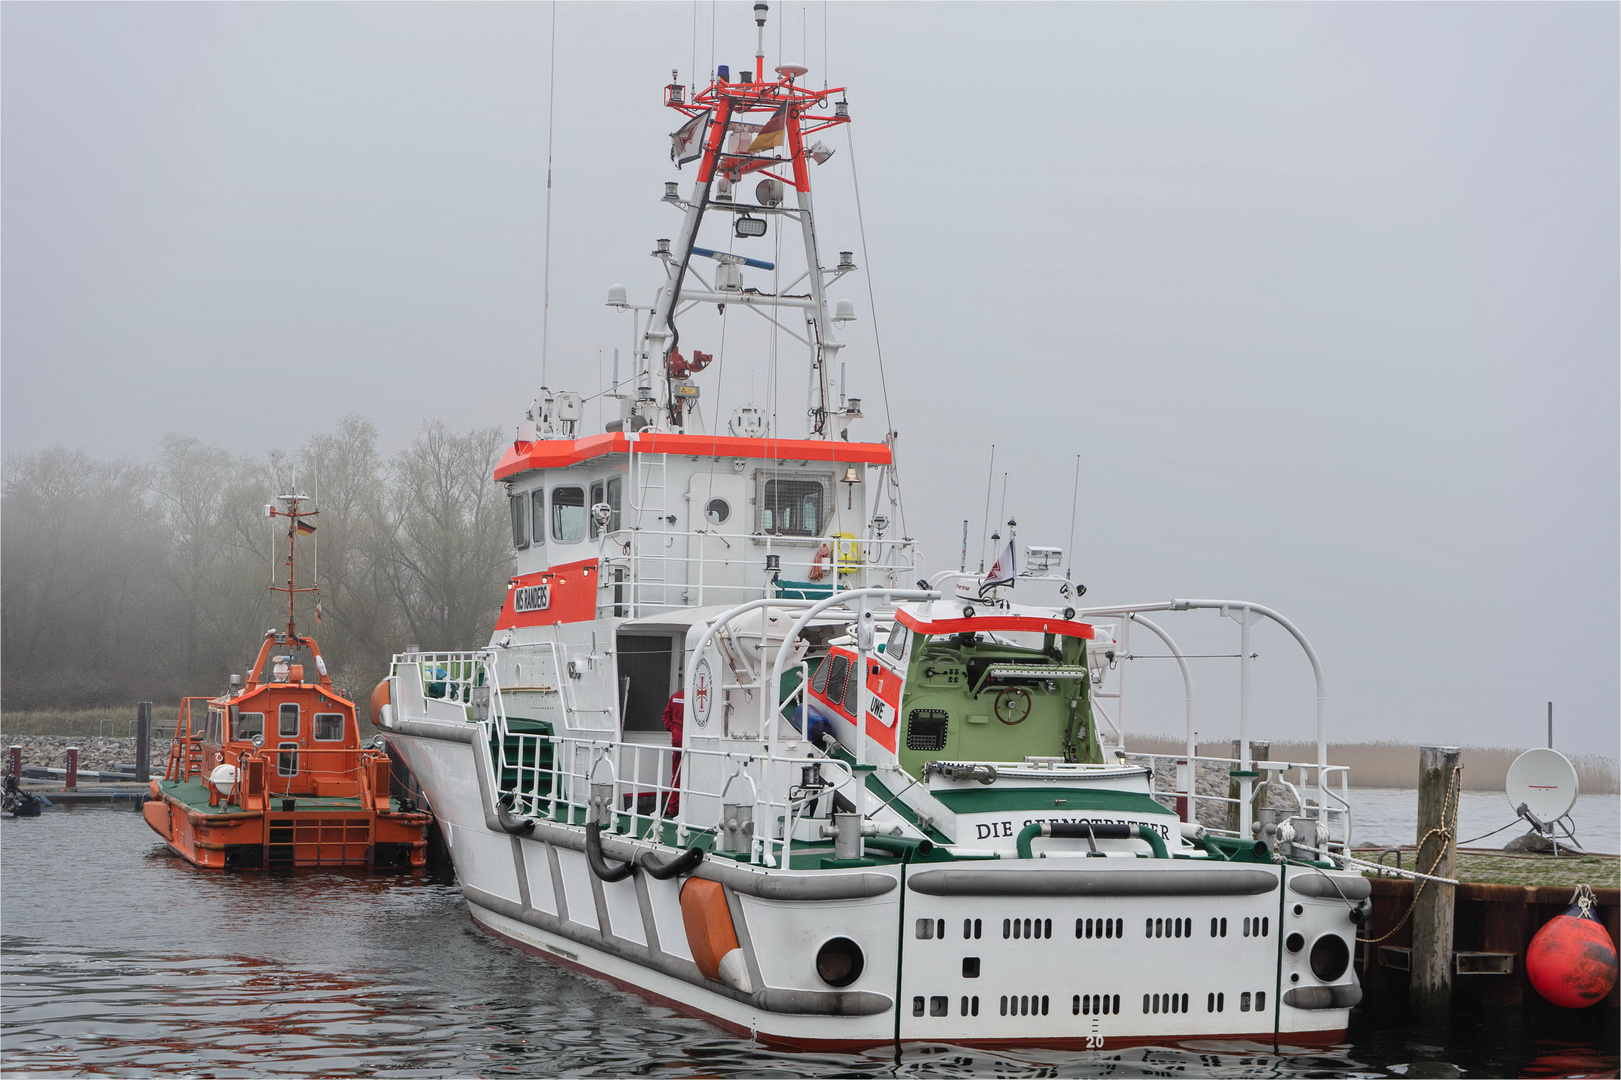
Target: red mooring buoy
1571 960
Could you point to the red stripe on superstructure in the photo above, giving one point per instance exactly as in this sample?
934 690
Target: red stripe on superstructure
1061 627
573 596
556 453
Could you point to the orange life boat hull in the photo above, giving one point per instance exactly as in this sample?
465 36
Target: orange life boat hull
318 837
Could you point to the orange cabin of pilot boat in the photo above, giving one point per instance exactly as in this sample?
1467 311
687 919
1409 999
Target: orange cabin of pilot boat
275 775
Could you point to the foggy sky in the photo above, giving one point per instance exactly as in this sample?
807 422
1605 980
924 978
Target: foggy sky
1324 296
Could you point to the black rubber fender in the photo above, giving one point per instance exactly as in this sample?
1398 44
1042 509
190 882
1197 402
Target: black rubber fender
663 870
599 864
517 826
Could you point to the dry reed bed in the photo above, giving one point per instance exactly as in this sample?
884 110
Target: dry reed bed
1395 765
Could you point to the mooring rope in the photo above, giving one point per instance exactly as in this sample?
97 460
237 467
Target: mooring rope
1449 823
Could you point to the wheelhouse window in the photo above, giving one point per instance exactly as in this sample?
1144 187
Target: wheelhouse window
537 515
215 725
328 727
794 506
568 515
520 535
895 647
605 493
287 720
615 487
249 724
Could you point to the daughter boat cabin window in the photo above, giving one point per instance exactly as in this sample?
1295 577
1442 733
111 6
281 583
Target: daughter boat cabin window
328 727
287 720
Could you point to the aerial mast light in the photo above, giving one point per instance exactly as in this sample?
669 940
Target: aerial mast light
760 10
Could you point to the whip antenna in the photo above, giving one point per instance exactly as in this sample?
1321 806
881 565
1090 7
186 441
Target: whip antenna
546 273
985 520
1074 500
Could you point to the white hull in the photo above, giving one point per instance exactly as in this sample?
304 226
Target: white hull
1044 986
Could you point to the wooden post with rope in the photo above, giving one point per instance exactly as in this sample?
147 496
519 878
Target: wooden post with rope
1440 776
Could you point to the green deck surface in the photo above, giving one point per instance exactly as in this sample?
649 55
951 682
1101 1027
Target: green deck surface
194 793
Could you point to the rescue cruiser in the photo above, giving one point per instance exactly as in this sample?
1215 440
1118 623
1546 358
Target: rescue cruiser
725 748
273 773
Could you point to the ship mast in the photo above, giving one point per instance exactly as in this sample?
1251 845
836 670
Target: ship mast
295 525
735 129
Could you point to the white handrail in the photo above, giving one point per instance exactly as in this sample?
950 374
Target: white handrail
1259 609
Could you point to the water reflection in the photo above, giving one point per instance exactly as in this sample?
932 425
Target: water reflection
120 959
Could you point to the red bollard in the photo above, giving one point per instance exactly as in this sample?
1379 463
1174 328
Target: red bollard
17 762
73 768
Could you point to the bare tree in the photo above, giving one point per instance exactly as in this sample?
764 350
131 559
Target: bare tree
445 517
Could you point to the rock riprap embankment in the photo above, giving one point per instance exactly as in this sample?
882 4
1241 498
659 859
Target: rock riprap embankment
95 754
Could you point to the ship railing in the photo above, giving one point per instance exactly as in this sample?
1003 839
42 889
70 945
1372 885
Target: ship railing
1321 794
748 806
752 793
648 570
1322 788
467 679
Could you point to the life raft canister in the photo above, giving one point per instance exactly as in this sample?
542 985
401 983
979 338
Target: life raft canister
1572 961
711 935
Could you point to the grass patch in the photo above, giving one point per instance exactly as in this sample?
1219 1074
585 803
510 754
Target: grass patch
87 723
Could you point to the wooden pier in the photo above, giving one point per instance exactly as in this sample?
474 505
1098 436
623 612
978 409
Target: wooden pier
1492 925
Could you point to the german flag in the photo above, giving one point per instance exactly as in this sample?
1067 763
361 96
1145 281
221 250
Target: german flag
304 527
772 134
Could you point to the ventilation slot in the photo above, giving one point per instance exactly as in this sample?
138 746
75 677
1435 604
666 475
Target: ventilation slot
970 928
1027 928
1165 1003
1100 928
1169 928
1215 1003
970 1005
1095 1004
1025 1004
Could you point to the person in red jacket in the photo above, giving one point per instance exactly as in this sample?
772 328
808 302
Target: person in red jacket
675 715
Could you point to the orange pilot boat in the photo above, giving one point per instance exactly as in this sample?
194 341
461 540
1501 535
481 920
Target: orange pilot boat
273 773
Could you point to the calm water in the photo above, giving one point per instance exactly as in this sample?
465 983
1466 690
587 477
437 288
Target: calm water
120 959
1390 816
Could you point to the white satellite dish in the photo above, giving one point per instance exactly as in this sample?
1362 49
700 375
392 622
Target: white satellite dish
1544 781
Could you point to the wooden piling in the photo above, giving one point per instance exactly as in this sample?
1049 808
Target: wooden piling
73 768
143 741
16 761
1439 779
1259 751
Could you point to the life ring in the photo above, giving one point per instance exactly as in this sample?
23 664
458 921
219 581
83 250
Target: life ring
822 564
